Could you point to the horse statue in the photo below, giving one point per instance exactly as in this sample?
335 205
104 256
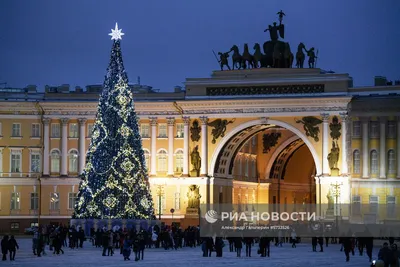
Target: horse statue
268 48
237 59
288 56
257 56
277 56
247 58
300 56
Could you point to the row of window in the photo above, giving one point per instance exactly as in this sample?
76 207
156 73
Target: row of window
55 130
373 205
374 162
34 198
73 161
374 129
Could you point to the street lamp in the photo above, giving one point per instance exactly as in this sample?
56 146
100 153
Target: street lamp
160 193
336 193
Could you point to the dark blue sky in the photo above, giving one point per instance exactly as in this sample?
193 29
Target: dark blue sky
54 42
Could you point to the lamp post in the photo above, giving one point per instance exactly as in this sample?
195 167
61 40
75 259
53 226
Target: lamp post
160 193
336 193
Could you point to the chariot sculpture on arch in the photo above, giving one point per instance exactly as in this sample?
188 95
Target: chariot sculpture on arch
275 52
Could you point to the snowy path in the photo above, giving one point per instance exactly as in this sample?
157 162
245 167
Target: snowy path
280 256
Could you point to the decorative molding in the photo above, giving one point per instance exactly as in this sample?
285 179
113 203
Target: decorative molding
186 120
266 90
171 121
82 121
153 121
325 117
64 121
204 120
46 121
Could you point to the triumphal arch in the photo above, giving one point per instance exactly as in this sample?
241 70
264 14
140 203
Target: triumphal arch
269 135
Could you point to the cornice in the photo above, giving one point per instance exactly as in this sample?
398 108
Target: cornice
217 107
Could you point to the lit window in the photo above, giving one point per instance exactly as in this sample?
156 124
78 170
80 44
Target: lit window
374 162
55 130
162 161
356 162
144 130
16 130
391 161
55 161
35 131
162 130
16 161
73 161
72 200
54 201
179 130
73 130
15 201
34 201
179 161
35 162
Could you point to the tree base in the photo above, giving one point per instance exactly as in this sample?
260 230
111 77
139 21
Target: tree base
113 224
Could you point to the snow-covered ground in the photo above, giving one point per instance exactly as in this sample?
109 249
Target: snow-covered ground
301 256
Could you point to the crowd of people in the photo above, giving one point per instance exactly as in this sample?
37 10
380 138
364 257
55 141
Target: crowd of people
125 241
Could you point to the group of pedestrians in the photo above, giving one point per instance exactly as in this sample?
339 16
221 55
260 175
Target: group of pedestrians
9 246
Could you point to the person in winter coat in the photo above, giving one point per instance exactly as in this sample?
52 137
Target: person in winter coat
136 247
126 248
219 244
321 243
110 244
394 262
249 242
264 244
347 244
104 242
238 246
142 244
293 238
12 247
314 243
4 247
385 254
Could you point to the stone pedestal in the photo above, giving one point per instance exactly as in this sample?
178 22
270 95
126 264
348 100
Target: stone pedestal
335 172
194 173
192 211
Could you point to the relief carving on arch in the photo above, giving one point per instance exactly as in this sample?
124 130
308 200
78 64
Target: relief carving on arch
310 126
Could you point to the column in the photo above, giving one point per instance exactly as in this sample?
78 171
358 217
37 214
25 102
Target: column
344 118
153 160
64 147
204 150
365 148
382 147
82 144
325 143
171 123
398 147
186 121
46 147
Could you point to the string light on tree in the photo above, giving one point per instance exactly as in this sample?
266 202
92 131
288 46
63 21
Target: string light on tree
115 181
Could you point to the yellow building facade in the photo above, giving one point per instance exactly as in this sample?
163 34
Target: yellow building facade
263 135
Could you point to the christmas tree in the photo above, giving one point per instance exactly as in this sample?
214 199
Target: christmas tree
115 182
